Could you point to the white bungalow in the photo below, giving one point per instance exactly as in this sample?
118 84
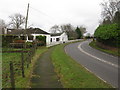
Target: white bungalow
51 39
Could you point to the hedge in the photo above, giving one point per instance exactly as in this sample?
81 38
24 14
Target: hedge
41 40
108 34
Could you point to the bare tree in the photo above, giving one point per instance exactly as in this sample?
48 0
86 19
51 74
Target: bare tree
17 20
70 30
109 9
55 29
118 6
67 28
2 26
83 29
2 23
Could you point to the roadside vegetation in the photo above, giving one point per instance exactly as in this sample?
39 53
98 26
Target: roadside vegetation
72 31
107 39
94 45
107 34
20 82
72 74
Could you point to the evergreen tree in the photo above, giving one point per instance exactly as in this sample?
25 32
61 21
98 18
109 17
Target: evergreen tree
79 33
117 18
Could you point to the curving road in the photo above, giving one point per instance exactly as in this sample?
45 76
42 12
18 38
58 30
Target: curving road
104 66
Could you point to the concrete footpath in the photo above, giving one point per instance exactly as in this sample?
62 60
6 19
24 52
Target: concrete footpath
44 75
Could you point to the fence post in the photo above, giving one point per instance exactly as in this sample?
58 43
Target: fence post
34 47
28 59
22 62
12 80
33 50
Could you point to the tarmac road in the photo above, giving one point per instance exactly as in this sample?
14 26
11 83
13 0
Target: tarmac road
103 65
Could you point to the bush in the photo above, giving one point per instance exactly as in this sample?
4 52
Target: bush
29 44
40 43
7 39
88 37
108 34
41 40
18 40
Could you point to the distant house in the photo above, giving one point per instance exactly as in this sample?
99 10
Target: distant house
51 39
58 38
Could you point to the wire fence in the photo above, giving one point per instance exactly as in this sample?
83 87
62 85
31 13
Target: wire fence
14 66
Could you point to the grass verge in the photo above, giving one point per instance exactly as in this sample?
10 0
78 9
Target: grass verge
115 53
72 74
20 82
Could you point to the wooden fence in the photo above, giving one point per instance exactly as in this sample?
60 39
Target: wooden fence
26 57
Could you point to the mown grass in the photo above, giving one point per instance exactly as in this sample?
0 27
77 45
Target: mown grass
115 53
72 74
20 82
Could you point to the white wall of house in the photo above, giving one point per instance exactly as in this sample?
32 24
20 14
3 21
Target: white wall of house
64 37
59 39
51 40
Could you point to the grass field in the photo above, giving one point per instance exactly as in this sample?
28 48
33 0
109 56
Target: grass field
20 82
116 53
72 74
6 58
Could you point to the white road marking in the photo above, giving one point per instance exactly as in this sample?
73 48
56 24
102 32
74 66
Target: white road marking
105 53
79 46
95 74
102 60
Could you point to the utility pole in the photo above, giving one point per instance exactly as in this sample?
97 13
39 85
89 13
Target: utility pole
26 24
27 17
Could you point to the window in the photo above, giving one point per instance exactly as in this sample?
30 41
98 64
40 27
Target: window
57 39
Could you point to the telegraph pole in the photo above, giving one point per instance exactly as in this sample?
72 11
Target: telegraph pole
26 17
26 20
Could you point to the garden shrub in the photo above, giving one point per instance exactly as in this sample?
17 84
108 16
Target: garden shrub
7 39
29 44
41 40
108 34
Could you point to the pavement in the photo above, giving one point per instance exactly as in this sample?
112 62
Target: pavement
103 65
44 75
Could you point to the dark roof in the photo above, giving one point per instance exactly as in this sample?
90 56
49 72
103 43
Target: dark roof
28 31
56 34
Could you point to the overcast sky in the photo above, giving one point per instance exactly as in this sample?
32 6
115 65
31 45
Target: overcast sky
46 13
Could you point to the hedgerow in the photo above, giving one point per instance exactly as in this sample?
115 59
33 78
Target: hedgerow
108 34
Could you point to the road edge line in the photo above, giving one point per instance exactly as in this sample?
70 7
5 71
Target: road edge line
102 60
90 71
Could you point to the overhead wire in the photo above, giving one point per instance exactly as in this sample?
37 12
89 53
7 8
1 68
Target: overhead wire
37 10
